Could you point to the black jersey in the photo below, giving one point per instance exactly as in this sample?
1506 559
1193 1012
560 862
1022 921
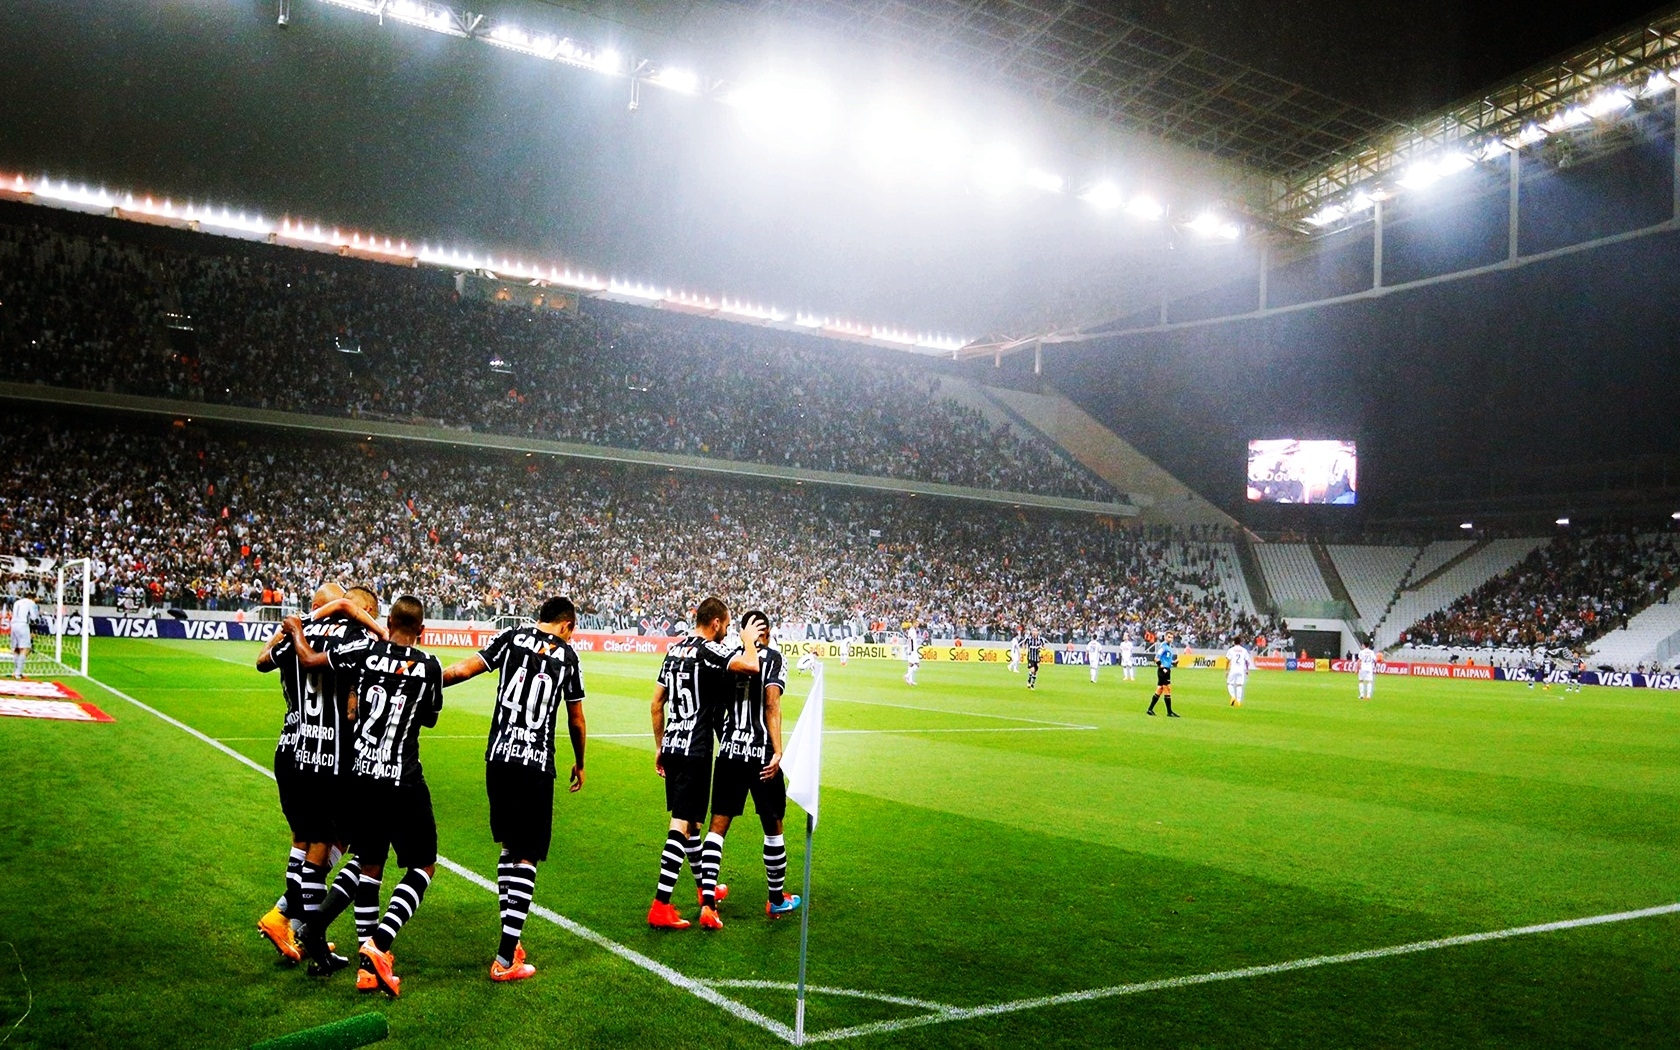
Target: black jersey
1035 645
743 734
400 689
314 737
537 672
697 684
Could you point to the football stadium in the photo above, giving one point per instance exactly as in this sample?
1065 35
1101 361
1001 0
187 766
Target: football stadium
753 523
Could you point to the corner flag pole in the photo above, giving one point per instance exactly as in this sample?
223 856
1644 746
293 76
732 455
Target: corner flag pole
803 763
804 936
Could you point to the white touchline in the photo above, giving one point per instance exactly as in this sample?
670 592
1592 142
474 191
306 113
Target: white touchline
659 969
963 1013
940 1013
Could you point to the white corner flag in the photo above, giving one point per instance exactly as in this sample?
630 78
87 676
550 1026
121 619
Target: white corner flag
802 765
802 758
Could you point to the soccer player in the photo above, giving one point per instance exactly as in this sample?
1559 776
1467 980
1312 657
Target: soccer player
398 689
1035 651
24 610
1366 661
1015 653
1238 663
1127 671
912 655
535 667
749 762
1093 654
846 649
310 756
1165 658
696 681
1576 670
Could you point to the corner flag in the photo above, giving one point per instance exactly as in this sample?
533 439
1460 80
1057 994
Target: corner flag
802 759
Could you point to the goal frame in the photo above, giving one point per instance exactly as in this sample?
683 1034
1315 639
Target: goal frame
71 583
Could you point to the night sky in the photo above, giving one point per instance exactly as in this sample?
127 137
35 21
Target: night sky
422 136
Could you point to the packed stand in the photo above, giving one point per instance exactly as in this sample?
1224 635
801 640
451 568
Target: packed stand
196 518
294 331
1564 595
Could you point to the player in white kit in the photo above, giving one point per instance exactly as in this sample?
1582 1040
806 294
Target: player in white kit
912 655
845 650
1015 654
23 611
1367 664
1093 653
1238 662
1127 669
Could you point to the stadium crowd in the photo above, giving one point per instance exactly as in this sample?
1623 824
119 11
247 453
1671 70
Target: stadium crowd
299 332
1564 595
193 517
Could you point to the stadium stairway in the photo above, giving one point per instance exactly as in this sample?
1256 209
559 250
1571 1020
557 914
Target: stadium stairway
1333 580
1446 574
1252 576
1065 425
1376 575
1651 636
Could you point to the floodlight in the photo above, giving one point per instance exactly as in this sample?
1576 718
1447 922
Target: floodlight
1104 196
1209 224
1327 215
1420 176
1607 102
1468 525
787 109
682 80
1452 164
897 139
998 169
1562 521
1675 515
1493 150
1145 208
608 61
1659 82
1527 136
366 7
1573 117
1049 182
1361 201
515 39
425 15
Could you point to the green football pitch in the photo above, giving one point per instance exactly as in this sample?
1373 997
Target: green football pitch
993 866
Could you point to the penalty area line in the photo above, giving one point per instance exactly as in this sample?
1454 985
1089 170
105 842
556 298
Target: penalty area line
698 989
964 1013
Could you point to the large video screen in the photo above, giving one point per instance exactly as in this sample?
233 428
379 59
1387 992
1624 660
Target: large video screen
1290 470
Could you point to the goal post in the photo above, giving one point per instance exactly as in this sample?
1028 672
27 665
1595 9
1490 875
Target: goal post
58 632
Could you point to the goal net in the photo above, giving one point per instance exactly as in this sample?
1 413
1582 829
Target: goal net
54 640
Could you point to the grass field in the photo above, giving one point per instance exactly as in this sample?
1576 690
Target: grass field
980 845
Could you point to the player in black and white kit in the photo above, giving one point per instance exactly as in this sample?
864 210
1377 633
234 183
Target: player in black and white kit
311 754
537 670
749 762
695 681
1035 653
398 689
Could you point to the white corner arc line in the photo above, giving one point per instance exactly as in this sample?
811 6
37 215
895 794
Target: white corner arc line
658 969
970 1012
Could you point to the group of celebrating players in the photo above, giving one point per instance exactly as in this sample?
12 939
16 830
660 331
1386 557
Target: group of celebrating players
358 692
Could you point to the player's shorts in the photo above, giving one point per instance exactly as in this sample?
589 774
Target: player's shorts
733 780
521 809
315 804
382 817
1367 676
1236 679
1163 675
20 639
688 785
1034 664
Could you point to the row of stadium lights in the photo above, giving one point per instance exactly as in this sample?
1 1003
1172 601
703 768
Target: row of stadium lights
896 143
1605 105
304 234
1561 521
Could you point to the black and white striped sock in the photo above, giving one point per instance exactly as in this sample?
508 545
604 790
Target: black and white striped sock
339 896
367 907
313 888
521 882
775 865
670 865
695 850
711 859
405 901
290 904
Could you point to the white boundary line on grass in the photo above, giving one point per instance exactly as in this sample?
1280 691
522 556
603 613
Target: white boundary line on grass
658 969
940 1013
963 714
